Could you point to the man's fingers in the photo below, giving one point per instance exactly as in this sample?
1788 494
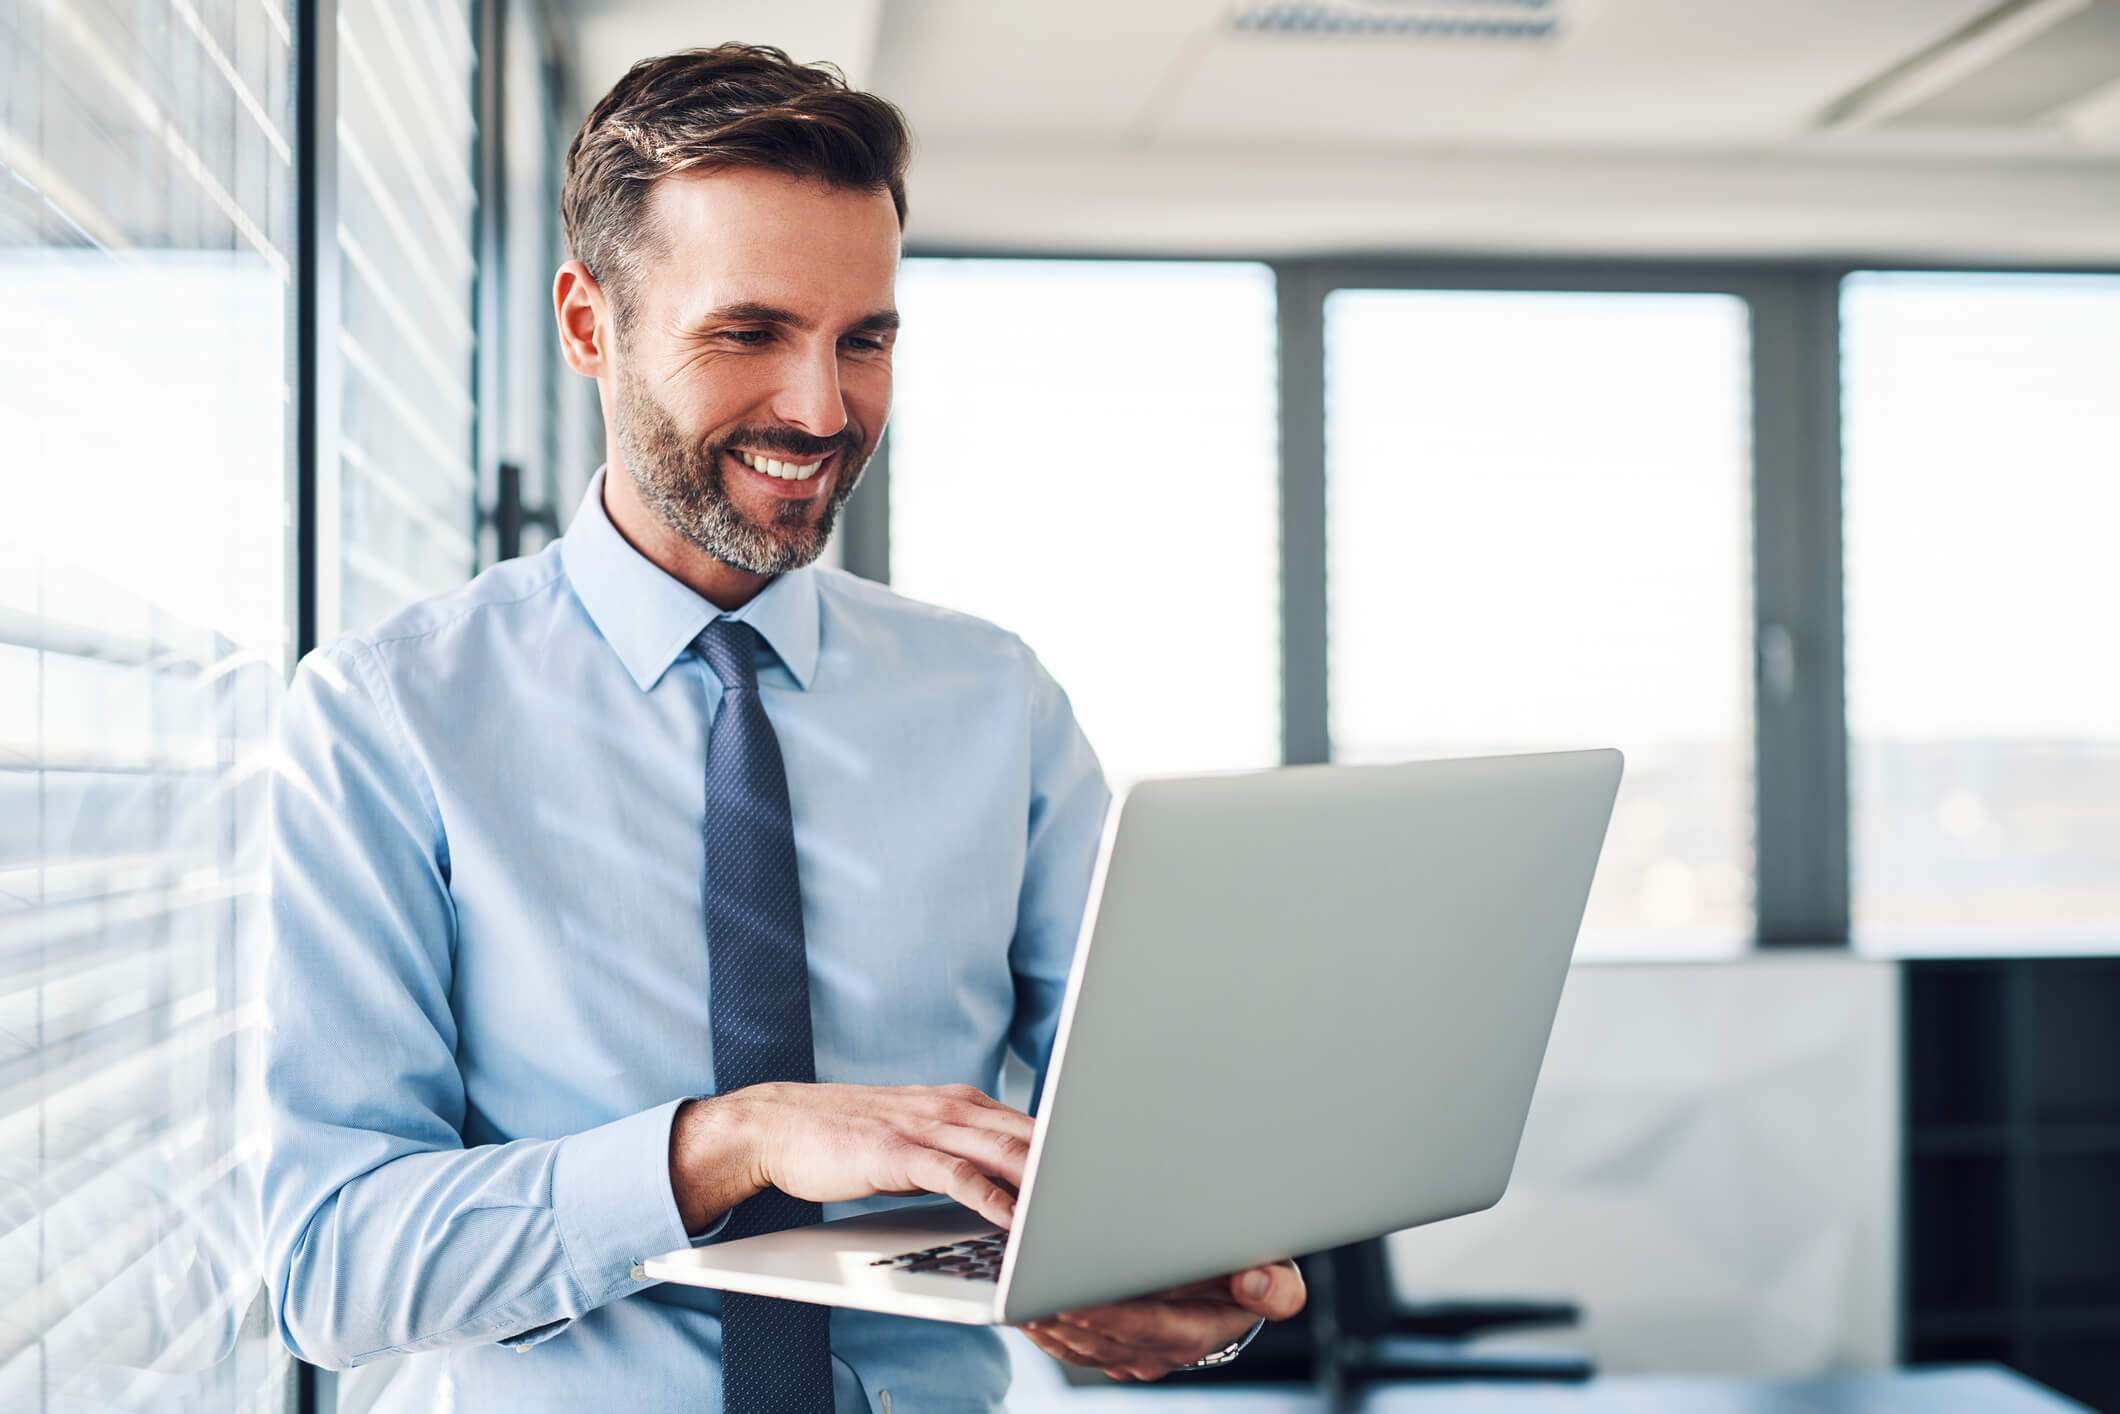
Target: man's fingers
1047 1344
1275 1292
1157 1327
961 1104
1001 1154
955 1176
1059 1349
1091 1348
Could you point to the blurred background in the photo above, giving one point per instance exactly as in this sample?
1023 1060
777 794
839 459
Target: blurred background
1734 382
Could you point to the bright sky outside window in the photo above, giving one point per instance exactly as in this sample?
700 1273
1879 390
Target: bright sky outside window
1982 455
1085 452
146 233
1538 538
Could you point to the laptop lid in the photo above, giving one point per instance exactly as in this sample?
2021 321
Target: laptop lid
1310 1009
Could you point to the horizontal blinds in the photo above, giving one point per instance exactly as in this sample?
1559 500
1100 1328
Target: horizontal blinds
146 239
130 811
407 144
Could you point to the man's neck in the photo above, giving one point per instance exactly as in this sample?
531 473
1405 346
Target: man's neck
721 584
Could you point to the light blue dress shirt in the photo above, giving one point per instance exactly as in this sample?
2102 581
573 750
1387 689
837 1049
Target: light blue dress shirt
489 986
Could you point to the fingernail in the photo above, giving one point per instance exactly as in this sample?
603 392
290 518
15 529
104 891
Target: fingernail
1255 1283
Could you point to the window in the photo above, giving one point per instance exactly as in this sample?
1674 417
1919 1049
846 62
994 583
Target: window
1538 537
1982 464
145 255
1086 453
404 499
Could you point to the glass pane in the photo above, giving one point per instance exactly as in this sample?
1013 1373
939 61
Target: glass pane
1538 537
146 226
1085 452
1982 448
407 135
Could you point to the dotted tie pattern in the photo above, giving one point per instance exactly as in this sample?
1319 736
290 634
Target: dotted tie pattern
775 1355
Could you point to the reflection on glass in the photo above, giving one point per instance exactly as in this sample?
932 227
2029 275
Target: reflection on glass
1539 537
1085 453
403 502
145 226
1982 452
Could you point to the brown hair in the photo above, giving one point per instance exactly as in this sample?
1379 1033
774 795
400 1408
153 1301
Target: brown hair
735 105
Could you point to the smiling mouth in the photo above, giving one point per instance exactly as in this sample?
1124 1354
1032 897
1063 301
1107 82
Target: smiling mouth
785 470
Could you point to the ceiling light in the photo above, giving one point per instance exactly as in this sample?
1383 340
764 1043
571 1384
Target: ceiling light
1417 19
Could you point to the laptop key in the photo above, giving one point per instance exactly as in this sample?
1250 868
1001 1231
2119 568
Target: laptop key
978 1259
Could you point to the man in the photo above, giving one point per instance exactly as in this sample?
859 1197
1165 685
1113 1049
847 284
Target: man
665 812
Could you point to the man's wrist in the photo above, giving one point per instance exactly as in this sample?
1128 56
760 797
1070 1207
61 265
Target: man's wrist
1227 1353
713 1160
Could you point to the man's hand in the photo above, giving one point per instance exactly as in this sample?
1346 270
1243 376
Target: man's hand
1148 1338
832 1143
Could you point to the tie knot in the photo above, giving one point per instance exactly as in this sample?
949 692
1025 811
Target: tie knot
731 650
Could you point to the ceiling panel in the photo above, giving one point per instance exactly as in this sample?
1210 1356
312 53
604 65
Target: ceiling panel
1622 72
1007 69
1650 127
613 34
1702 72
1254 87
2079 56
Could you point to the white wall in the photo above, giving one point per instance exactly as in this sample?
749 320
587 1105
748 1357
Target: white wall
1710 1168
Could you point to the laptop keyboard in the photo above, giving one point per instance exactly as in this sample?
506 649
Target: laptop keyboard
976 1260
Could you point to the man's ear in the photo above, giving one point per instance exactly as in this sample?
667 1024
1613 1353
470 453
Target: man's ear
584 317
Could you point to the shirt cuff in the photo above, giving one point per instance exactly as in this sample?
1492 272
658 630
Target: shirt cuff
612 1201
714 1229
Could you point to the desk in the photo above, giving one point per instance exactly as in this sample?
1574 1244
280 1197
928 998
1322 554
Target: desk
1977 1389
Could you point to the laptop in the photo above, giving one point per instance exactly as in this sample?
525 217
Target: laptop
1308 1006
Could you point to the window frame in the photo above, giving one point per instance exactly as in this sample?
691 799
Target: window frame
1801 822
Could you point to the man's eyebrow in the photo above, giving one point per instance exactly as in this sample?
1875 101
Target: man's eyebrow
751 312
883 321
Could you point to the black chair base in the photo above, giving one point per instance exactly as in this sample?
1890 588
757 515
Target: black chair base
1398 1358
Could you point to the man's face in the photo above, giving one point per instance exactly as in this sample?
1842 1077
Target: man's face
760 343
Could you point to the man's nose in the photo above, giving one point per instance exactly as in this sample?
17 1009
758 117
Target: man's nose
809 396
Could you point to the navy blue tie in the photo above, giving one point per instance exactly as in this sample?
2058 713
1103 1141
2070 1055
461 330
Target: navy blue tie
776 1356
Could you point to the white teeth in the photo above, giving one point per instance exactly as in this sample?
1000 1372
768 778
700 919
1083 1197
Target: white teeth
786 471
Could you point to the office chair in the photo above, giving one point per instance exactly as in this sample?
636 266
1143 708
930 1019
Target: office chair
1382 1338
1355 1331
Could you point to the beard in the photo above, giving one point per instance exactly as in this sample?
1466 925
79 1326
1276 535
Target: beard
683 482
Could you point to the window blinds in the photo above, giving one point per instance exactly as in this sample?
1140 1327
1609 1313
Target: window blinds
401 511
146 238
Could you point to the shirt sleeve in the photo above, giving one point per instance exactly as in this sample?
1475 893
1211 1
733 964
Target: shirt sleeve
383 1233
1068 800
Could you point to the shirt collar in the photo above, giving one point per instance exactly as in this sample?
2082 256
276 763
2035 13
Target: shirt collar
650 619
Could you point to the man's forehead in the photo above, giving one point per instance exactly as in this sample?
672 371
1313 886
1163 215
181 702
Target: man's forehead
747 235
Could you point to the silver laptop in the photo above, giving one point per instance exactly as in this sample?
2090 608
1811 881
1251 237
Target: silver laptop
1308 1006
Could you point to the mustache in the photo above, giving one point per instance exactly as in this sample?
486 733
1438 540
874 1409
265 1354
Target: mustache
792 441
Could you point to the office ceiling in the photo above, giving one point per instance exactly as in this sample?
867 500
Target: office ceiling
1916 129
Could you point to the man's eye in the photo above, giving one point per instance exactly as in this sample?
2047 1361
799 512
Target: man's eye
866 345
747 337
